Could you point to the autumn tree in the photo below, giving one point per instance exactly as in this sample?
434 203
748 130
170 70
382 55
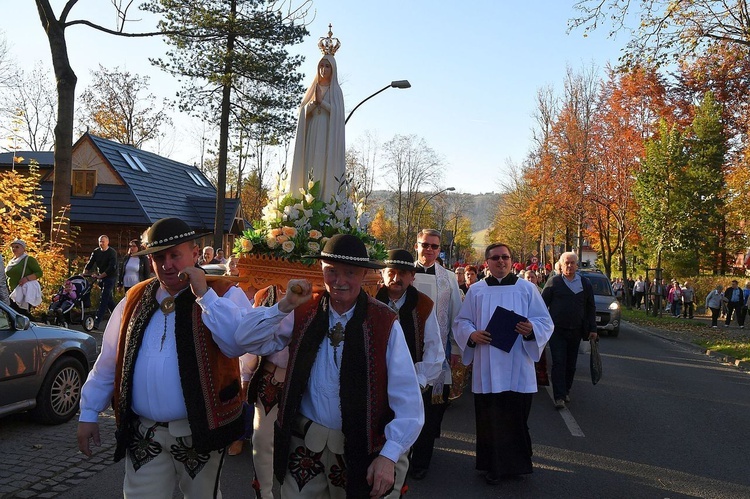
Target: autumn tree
383 229
66 80
29 113
630 103
509 223
229 53
571 142
412 167
7 72
117 106
21 213
667 30
361 160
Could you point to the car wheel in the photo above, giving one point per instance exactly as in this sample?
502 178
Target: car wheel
614 332
88 323
60 394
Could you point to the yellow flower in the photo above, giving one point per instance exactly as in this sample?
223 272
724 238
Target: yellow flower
289 231
247 245
272 242
276 232
287 246
314 247
315 234
282 239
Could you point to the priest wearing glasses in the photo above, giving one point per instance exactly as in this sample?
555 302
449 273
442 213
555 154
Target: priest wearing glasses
504 378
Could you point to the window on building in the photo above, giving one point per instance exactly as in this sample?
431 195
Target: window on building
84 182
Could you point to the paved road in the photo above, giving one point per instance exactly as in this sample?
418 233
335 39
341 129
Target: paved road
665 421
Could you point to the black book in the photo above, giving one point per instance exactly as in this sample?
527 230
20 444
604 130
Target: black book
502 327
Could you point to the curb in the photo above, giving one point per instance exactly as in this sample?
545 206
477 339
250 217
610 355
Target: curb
718 356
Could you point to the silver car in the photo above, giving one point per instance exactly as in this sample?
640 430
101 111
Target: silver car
42 368
607 306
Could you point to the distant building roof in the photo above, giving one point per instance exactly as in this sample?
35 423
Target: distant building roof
45 159
153 187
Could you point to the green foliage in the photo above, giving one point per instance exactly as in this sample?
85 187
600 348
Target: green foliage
248 37
656 189
704 186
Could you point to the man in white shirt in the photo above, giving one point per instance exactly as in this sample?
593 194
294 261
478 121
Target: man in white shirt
416 312
503 382
351 406
175 391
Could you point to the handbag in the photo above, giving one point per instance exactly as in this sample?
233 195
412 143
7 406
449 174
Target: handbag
595 362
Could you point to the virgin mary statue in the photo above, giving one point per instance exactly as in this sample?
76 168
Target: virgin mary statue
319 146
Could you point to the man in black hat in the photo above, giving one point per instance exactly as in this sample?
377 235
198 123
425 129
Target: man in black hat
175 388
416 313
351 406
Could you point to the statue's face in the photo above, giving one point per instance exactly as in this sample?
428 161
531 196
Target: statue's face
325 71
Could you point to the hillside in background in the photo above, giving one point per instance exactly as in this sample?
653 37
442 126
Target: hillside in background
480 214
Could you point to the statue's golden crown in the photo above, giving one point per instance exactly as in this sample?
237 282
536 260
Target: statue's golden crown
328 44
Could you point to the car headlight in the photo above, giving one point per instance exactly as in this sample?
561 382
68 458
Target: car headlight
614 305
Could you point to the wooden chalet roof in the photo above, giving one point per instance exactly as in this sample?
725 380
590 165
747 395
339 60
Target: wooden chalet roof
152 187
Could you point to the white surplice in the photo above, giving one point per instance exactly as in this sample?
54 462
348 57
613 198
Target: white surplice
494 370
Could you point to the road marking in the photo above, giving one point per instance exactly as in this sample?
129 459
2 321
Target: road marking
567 417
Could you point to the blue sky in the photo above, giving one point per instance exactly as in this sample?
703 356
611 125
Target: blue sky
474 66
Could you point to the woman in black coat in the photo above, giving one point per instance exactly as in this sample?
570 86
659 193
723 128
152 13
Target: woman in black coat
133 269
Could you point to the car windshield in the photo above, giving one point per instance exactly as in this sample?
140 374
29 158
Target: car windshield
600 283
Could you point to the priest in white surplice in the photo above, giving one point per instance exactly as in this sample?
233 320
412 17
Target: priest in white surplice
503 382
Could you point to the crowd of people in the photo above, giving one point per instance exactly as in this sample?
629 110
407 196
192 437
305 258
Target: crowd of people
680 300
348 390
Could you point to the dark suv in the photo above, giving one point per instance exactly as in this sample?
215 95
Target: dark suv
607 306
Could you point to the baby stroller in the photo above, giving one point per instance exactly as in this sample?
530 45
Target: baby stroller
66 310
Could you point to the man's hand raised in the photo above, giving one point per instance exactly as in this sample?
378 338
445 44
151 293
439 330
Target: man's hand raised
298 291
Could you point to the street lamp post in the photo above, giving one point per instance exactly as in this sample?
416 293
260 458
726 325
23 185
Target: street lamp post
393 84
419 218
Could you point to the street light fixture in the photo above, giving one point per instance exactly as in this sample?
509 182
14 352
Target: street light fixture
393 84
419 218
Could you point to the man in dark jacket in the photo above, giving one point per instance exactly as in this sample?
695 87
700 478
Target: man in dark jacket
104 259
734 299
570 299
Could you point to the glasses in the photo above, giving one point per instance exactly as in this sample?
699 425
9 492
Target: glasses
495 258
428 245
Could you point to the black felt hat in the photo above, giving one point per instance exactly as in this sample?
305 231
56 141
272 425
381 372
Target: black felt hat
399 259
345 248
167 233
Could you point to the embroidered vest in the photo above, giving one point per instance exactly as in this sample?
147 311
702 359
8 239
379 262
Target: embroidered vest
412 316
364 383
210 380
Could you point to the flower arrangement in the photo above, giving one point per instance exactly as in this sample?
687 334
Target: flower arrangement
292 227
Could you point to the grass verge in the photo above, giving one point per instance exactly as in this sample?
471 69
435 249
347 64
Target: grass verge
729 341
